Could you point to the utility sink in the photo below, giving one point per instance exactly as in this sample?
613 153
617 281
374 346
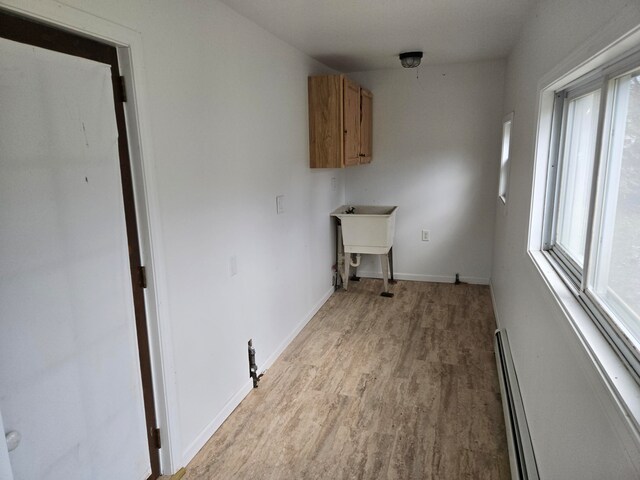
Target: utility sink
365 229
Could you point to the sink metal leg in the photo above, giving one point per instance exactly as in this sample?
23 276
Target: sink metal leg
384 263
392 280
339 256
347 264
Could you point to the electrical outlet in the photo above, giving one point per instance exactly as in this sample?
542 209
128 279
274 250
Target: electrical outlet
280 204
425 235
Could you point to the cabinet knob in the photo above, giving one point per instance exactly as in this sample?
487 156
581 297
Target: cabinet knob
362 155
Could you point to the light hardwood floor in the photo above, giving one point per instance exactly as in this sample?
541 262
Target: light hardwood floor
374 388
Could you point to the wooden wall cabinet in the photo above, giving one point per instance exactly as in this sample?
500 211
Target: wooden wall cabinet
340 122
366 125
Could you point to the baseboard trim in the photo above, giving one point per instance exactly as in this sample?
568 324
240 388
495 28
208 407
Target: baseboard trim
495 306
428 278
285 343
204 436
178 475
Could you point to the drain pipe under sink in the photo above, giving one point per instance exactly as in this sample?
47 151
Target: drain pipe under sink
357 264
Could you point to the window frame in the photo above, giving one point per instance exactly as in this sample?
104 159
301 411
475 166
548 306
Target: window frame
562 100
505 163
624 343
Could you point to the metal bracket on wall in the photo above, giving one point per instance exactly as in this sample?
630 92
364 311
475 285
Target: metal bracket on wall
253 368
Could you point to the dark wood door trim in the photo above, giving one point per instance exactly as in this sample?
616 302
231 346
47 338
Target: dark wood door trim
20 29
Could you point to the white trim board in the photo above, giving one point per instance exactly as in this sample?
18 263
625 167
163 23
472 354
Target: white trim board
294 333
204 436
192 450
495 306
414 277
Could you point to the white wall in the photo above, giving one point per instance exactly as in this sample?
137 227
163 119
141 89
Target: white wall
573 419
436 152
227 116
229 109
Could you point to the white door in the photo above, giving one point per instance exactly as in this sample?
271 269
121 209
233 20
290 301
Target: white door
69 368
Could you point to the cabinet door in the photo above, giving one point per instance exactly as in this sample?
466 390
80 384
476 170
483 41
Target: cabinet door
325 121
351 123
366 125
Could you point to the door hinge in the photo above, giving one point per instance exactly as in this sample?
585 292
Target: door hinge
143 276
123 89
157 442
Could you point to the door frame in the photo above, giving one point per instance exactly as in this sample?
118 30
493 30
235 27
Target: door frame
128 43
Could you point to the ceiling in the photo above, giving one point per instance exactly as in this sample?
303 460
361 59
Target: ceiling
357 35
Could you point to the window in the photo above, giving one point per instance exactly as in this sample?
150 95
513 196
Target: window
592 218
575 172
504 157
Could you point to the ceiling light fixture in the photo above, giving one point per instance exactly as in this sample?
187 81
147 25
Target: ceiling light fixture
410 59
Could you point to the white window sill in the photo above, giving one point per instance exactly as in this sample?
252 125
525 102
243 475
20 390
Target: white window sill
618 380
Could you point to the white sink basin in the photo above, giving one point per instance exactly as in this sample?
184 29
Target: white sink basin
368 229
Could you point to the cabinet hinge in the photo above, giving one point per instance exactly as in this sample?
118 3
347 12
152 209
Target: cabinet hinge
157 443
123 89
143 276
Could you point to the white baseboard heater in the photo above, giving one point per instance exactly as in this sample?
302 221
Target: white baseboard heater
521 455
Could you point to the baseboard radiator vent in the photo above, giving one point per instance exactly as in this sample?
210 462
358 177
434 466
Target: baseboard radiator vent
521 455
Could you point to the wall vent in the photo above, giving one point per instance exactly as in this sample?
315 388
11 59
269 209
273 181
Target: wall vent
521 455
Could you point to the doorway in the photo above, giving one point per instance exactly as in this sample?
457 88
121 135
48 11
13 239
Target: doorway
75 368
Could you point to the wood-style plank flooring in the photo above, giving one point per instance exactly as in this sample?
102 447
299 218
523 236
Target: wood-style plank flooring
374 388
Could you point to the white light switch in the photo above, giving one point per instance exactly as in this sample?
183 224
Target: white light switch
425 235
334 184
280 204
